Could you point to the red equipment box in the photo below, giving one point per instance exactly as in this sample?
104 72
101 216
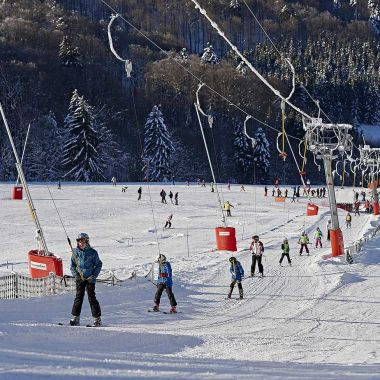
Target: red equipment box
42 266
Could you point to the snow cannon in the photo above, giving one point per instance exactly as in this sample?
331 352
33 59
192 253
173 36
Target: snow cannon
17 192
225 239
41 265
337 245
311 209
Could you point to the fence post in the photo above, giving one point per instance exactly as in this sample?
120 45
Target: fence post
15 284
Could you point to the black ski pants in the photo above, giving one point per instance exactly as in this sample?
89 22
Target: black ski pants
160 289
260 265
285 255
240 287
81 287
168 225
304 246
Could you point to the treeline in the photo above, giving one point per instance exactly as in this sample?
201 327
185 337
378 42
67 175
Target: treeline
50 48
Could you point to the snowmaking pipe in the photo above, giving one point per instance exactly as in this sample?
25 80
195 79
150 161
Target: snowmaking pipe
23 152
25 185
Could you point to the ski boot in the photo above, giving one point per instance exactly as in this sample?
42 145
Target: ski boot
156 307
173 310
97 322
74 321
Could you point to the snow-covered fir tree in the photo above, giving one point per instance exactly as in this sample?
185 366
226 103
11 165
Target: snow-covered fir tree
242 68
184 55
374 17
261 155
82 158
209 56
337 4
158 147
235 5
243 155
68 54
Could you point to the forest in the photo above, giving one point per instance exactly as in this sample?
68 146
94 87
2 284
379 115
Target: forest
89 121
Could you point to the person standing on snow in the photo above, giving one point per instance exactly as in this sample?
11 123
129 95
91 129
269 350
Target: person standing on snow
227 207
328 228
164 282
113 180
85 267
257 250
139 192
237 273
318 237
168 223
163 196
304 241
176 198
348 220
285 251
265 191
171 196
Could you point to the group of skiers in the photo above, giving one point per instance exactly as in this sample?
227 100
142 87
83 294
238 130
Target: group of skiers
171 196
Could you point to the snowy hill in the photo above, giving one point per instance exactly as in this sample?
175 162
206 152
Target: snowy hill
317 319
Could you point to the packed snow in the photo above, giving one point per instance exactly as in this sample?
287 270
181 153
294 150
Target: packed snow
318 318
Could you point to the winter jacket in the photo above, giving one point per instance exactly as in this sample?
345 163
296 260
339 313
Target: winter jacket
88 263
285 247
257 248
348 218
318 234
303 239
237 271
165 274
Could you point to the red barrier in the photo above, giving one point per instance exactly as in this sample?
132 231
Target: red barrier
17 192
279 199
337 244
225 239
375 206
42 266
312 209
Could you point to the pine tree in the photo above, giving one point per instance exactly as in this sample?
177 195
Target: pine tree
209 56
158 147
82 158
68 54
261 155
374 18
243 153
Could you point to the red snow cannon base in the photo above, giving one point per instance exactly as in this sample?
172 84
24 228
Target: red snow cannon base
225 239
17 192
42 266
311 209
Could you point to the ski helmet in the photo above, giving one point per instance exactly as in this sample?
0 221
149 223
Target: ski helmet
255 237
232 259
161 259
83 236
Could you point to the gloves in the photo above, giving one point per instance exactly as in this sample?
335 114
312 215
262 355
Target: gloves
90 279
163 275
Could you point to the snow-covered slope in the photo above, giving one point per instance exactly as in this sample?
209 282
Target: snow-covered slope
317 319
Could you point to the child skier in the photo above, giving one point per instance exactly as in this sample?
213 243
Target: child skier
348 220
304 241
227 207
164 282
237 272
318 237
168 223
285 251
257 250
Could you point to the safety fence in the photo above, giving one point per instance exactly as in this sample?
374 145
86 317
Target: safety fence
16 285
358 244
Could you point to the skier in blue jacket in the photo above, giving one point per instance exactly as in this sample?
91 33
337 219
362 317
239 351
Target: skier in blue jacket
237 272
85 267
164 282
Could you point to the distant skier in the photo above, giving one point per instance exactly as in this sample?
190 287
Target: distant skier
163 196
356 208
304 241
286 193
59 185
273 191
139 192
257 250
285 251
242 188
227 207
318 237
171 196
348 220
176 198
113 180
164 282
237 273
265 191
203 183
328 228
168 223
229 185
85 267
212 187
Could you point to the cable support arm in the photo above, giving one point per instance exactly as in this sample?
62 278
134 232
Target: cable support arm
253 140
210 119
244 59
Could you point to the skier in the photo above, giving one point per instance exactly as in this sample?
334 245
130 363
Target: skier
328 228
304 241
265 191
273 191
318 237
229 185
212 187
171 196
285 251
242 188
164 282
348 220
356 208
237 272
203 183
85 267
168 223
59 185
257 250
176 198
286 193
113 180
124 189
139 192
163 196
366 205
227 207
